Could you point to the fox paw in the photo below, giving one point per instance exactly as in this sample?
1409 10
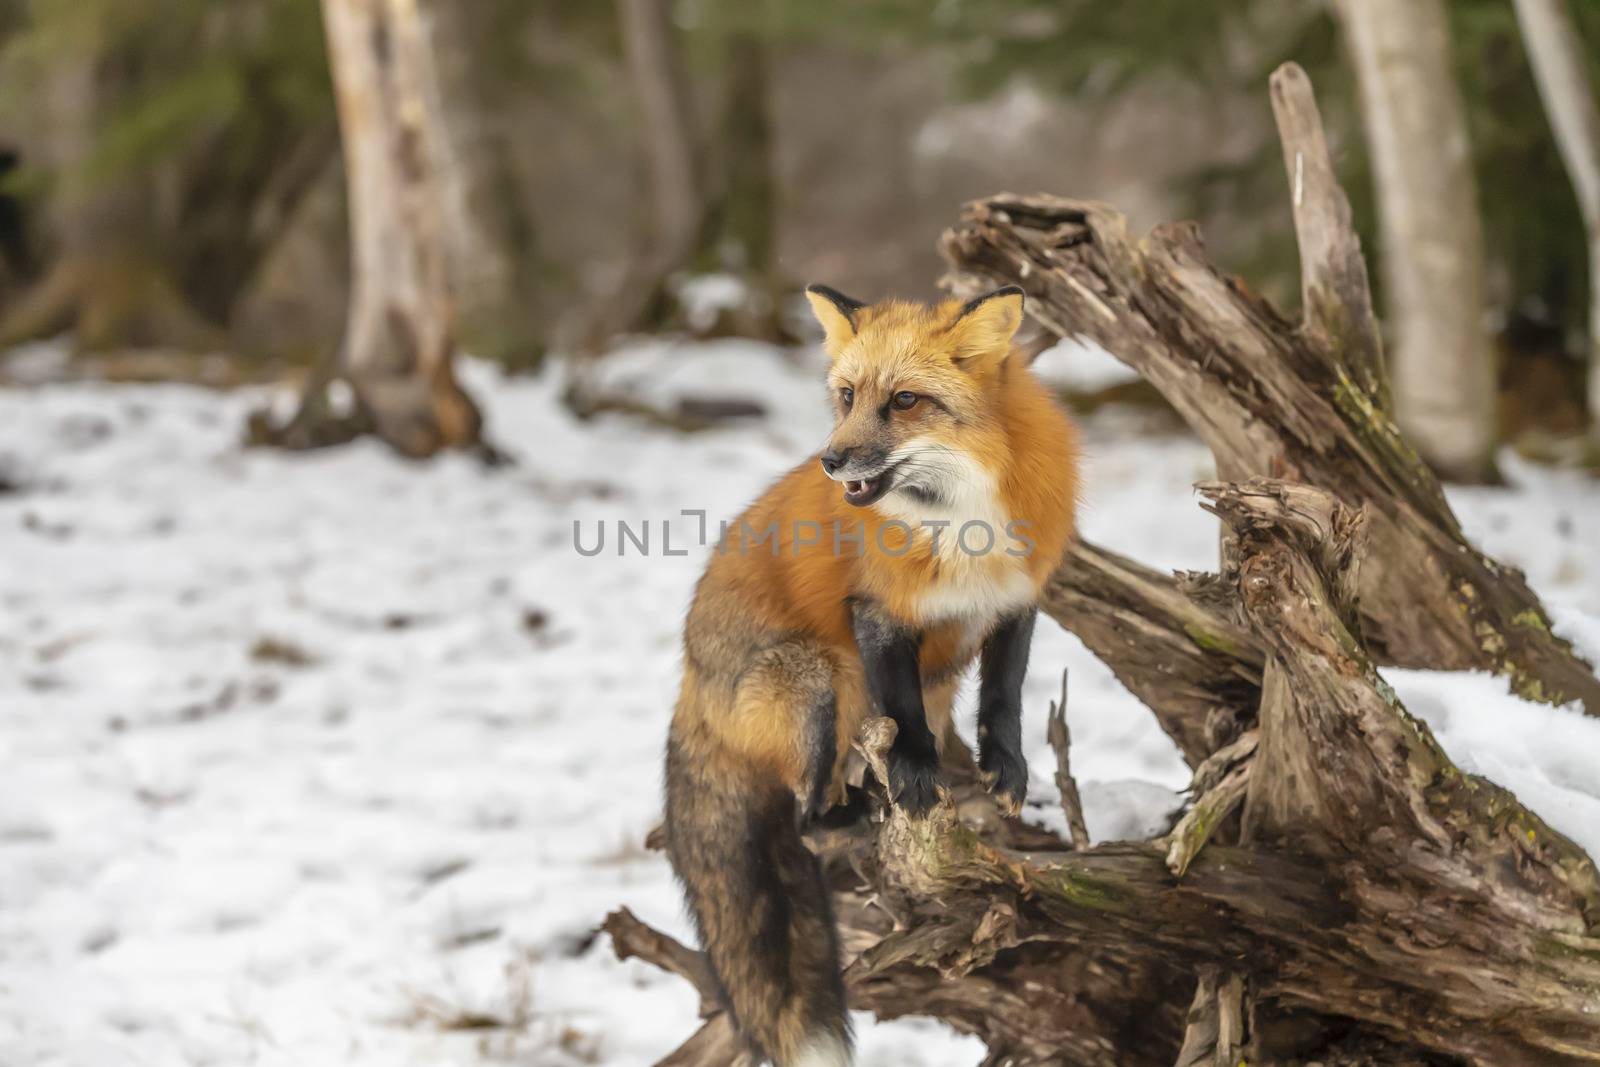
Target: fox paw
1005 775
914 781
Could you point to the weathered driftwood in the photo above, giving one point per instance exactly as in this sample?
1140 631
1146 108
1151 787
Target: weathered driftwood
1274 397
1383 899
1170 640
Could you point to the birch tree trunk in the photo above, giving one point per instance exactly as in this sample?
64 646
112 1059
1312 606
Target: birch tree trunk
1444 378
400 336
1556 53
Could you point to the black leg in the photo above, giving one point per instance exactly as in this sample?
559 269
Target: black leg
894 682
857 806
821 748
1001 669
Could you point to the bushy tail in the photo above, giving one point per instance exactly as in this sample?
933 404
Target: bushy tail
762 908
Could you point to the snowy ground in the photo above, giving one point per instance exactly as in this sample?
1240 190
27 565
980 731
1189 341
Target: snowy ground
333 759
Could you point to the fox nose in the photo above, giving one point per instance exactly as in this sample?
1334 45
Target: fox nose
835 458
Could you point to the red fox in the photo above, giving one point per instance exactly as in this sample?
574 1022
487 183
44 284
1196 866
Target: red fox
865 581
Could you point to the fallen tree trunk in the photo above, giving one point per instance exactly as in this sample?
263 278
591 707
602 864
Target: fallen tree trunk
1337 891
1384 904
1170 641
1276 398
1432 233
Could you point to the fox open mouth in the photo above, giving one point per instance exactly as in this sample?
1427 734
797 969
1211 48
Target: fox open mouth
864 491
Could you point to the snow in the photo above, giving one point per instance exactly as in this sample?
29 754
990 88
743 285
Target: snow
1550 757
704 297
1080 364
336 758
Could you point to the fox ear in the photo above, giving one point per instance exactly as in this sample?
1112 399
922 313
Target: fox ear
838 315
983 327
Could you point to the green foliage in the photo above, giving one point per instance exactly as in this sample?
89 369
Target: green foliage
232 74
207 99
1095 50
244 72
510 53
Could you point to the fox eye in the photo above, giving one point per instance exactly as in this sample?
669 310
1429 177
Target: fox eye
847 396
905 401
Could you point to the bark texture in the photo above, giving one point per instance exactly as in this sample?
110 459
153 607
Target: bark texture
1170 640
1432 238
1279 398
1337 891
400 337
1385 907
1561 70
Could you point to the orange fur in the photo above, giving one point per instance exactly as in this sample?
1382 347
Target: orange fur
1009 424
771 661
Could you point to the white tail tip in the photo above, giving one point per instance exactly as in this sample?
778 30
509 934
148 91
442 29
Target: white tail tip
824 1051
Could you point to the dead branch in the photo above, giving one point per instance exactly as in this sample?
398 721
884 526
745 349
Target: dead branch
1339 891
1381 891
1171 641
1060 739
631 938
1276 398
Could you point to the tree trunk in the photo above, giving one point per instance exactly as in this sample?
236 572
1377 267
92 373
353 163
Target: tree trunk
1561 70
490 236
671 141
673 173
740 235
1338 891
1444 377
102 283
400 336
1276 398
1384 908
712 204
1171 642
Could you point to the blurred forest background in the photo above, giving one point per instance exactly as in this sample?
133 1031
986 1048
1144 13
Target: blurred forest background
327 756
174 186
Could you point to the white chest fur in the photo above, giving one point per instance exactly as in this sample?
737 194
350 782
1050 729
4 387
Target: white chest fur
982 573
981 594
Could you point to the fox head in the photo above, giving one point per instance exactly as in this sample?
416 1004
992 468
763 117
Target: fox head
915 391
